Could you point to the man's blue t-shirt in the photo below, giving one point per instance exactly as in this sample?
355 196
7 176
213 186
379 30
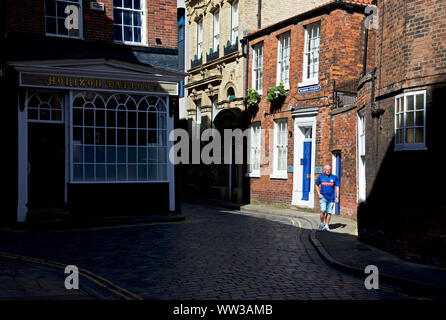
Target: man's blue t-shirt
328 185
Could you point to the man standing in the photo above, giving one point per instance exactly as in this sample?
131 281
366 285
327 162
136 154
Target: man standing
327 186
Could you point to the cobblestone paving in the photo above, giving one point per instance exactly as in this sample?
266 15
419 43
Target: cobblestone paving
214 254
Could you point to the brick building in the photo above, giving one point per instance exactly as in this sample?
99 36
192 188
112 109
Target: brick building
402 110
318 56
91 91
216 86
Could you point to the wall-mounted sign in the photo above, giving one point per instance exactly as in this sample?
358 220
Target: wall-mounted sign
290 169
97 6
309 89
69 82
317 169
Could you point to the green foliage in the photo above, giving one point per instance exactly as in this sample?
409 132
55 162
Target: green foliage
276 93
252 99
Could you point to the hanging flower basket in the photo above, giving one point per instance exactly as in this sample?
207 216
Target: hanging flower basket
252 99
276 95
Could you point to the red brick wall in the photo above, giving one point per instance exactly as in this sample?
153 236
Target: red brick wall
341 52
344 140
412 44
28 16
410 56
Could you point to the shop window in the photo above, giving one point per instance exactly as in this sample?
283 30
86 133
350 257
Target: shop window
118 138
45 107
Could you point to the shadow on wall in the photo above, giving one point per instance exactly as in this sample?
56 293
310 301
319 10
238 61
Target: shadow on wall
405 211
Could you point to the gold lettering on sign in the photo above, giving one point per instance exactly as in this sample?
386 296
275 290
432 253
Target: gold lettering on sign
73 82
51 80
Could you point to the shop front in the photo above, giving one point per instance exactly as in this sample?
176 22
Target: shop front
93 137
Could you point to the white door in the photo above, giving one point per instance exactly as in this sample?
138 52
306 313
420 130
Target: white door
304 159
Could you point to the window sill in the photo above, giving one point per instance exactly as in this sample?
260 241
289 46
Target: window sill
254 174
281 176
125 43
410 147
64 36
309 82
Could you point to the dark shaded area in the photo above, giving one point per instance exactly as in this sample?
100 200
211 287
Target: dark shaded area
118 199
100 199
212 180
22 46
405 211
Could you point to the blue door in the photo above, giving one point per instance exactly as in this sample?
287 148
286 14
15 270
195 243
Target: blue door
306 171
338 174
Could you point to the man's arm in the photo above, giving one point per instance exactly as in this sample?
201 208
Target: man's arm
337 194
318 189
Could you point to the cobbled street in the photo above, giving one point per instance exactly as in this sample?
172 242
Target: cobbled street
213 254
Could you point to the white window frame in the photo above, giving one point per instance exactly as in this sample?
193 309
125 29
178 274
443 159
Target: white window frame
36 112
282 173
234 20
143 25
200 38
257 67
403 112
216 31
68 2
306 80
150 155
361 159
283 59
255 149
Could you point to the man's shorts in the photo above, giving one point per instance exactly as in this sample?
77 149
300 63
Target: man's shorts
326 205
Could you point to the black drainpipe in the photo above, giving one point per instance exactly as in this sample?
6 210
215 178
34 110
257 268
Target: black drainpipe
259 14
364 61
245 44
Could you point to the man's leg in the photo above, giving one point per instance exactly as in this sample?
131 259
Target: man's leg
323 213
327 218
330 207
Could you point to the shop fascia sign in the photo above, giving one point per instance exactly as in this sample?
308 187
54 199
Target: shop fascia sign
72 82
